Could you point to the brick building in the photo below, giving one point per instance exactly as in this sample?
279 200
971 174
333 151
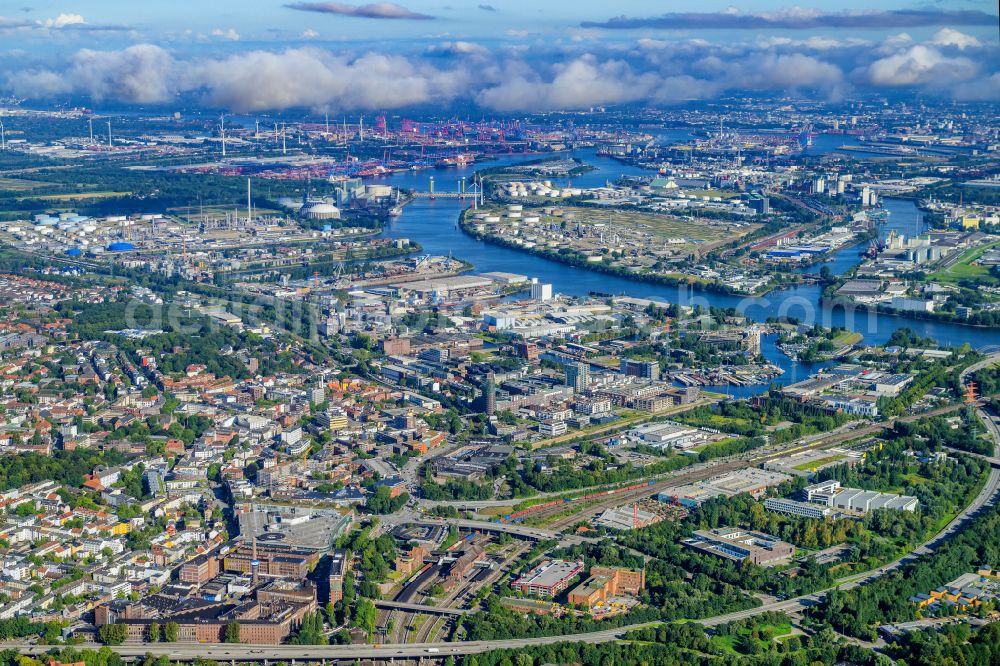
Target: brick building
607 582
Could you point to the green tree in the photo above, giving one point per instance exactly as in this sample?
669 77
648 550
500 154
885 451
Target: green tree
170 630
153 633
232 633
113 634
365 616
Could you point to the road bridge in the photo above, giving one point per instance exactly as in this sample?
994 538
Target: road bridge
513 529
445 195
266 653
418 608
992 460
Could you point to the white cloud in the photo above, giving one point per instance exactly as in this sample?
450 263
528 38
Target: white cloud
950 37
980 90
919 65
581 83
229 34
309 33
140 74
63 20
458 48
516 76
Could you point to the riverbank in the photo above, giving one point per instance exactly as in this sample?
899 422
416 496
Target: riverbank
670 280
432 223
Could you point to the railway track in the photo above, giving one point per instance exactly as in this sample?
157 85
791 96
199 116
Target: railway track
707 472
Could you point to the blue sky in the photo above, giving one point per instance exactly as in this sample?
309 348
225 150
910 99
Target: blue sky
176 21
505 55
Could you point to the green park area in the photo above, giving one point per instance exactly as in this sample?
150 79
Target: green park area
966 268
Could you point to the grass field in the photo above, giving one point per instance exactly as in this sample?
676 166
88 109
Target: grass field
964 270
663 226
739 643
806 466
72 196
20 185
847 338
496 511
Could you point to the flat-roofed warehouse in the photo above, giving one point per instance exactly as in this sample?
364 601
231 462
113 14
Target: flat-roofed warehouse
445 285
505 278
738 545
832 494
549 578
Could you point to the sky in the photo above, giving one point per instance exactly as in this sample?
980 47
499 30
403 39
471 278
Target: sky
502 55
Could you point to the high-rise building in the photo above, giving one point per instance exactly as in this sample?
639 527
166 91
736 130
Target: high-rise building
490 395
644 369
338 568
578 376
759 203
540 291
868 198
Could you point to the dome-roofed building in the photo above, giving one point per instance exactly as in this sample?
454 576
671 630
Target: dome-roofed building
323 211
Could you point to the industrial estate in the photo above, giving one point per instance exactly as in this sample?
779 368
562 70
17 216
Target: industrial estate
701 381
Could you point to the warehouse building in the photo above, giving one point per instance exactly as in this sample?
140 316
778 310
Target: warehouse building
830 493
739 545
790 507
548 578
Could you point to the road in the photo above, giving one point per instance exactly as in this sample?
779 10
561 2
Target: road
227 652
845 433
976 367
987 496
512 529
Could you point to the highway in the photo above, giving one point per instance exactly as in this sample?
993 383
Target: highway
227 652
976 367
247 652
224 652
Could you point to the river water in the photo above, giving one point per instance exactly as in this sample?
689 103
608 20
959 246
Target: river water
433 224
